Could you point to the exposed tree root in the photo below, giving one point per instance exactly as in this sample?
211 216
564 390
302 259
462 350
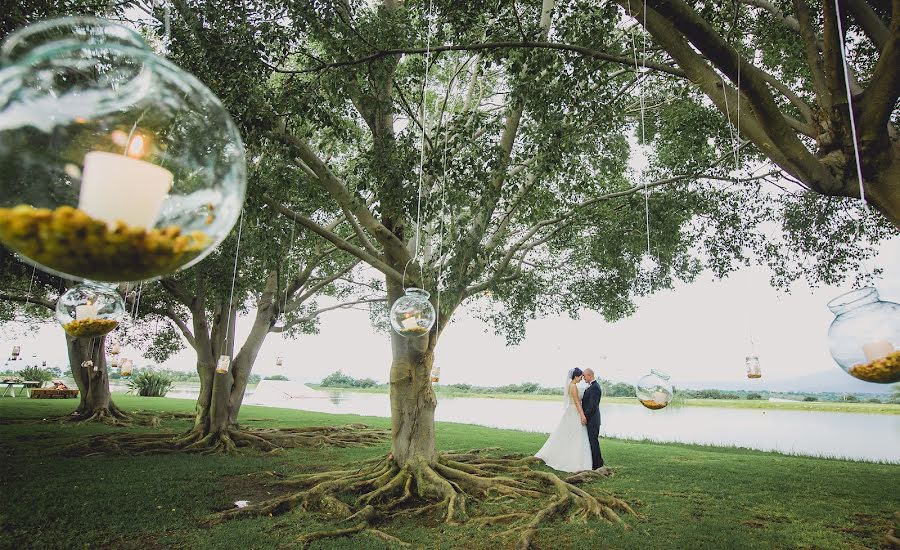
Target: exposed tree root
111 416
229 440
382 491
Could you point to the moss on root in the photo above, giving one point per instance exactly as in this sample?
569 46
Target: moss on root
382 490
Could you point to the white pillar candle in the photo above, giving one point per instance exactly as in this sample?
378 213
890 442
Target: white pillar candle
115 187
87 311
877 350
410 323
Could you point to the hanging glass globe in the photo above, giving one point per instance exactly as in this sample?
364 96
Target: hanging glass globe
654 390
279 361
117 165
90 309
223 364
753 370
126 367
115 348
114 362
436 375
16 351
864 338
412 314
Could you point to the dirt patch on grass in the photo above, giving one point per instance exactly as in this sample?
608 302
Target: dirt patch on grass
253 487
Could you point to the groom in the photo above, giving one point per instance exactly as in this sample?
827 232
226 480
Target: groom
590 404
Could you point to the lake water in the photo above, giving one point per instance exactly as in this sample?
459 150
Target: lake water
872 437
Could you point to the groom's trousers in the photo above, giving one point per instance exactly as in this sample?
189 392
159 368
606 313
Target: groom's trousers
593 430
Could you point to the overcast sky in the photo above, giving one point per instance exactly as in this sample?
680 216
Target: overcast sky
697 333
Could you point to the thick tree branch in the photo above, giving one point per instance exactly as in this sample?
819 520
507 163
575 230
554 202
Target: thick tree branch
870 23
813 59
376 262
880 97
752 82
344 197
170 314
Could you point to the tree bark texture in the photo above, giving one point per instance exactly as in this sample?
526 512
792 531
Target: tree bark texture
95 398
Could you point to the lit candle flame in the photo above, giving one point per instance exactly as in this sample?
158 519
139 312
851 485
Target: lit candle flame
136 147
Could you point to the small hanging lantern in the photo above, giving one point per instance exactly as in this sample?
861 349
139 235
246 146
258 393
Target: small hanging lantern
126 367
16 351
412 314
43 363
223 364
115 348
654 390
114 362
864 338
753 370
118 165
87 364
279 361
89 310
435 375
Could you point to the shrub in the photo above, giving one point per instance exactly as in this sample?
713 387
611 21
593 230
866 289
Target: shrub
338 379
279 377
461 387
754 396
810 398
873 400
37 374
850 398
365 383
149 383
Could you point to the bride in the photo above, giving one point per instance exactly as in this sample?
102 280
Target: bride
567 449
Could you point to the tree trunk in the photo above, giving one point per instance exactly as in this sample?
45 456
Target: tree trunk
221 394
95 399
412 398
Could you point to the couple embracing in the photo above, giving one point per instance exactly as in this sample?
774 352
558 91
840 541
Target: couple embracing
574 445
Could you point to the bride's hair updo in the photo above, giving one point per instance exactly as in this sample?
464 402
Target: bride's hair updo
576 372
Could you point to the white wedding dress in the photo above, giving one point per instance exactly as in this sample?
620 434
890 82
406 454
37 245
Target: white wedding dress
567 449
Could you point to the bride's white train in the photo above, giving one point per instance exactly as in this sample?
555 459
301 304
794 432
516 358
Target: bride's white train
568 449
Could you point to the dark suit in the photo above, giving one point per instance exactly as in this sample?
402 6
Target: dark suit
590 403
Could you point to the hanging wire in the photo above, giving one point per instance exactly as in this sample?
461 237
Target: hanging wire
237 249
840 28
422 144
640 70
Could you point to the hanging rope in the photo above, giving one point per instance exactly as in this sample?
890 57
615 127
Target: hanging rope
640 70
237 249
424 125
840 28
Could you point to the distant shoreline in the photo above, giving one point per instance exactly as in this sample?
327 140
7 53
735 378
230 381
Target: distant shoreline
815 406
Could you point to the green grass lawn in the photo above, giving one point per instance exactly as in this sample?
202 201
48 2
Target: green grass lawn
870 408
686 496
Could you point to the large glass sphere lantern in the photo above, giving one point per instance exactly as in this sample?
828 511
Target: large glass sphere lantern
412 314
116 164
654 390
89 310
864 338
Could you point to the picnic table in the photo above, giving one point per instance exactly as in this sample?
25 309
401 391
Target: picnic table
26 387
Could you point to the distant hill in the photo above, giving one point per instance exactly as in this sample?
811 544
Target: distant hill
832 380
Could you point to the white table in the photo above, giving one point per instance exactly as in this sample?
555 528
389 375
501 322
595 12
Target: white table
26 387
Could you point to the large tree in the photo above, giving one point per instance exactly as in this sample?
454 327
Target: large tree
505 171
